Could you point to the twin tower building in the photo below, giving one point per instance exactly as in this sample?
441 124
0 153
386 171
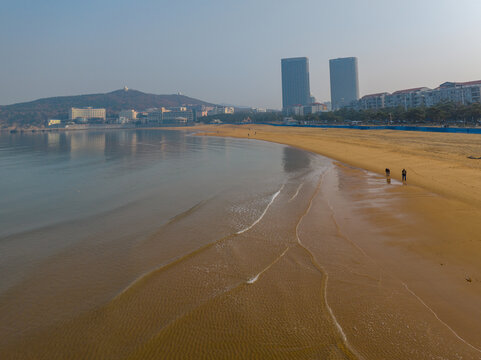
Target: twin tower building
296 89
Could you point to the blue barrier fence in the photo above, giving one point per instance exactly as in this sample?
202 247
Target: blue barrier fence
390 127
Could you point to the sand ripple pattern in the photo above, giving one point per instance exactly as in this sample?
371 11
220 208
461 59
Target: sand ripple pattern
254 294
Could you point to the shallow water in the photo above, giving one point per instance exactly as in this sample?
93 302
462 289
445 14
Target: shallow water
158 244
119 235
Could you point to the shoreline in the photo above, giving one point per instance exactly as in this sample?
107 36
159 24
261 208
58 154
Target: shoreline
446 170
438 162
359 263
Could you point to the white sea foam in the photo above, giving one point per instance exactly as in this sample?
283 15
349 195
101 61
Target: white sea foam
263 213
297 192
441 321
255 278
237 233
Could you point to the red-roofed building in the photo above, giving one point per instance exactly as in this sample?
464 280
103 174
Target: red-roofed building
459 84
372 101
458 92
410 91
407 98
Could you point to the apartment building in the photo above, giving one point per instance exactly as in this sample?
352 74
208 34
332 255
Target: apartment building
406 98
457 92
86 113
461 93
372 101
126 116
169 116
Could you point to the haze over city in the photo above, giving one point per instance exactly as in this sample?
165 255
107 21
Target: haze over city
261 179
229 52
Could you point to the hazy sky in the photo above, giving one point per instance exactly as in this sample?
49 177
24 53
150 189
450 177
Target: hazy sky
229 51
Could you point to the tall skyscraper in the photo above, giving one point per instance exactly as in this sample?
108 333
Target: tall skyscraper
295 82
344 82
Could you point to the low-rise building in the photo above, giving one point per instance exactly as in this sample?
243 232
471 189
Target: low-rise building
318 107
169 116
54 122
177 116
126 116
301 110
221 110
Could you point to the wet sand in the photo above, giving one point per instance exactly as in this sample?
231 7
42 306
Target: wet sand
335 264
416 248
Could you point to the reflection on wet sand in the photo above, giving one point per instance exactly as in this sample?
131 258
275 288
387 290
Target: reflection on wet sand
295 160
374 285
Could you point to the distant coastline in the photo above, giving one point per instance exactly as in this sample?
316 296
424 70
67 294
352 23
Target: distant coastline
79 127
414 127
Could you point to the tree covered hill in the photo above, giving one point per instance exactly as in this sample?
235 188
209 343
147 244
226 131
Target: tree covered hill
35 113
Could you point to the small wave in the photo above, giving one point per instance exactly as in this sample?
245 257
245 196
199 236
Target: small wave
437 317
187 212
297 192
195 252
263 213
147 274
177 218
255 278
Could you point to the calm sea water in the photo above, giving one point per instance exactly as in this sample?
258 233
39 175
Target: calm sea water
59 189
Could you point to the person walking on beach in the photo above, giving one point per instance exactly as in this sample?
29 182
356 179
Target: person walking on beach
388 172
404 175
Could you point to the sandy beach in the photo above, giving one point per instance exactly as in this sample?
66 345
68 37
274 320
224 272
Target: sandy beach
327 261
434 251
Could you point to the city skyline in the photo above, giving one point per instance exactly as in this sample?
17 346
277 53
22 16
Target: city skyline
66 48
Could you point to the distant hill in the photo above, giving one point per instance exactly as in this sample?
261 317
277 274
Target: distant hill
35 113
